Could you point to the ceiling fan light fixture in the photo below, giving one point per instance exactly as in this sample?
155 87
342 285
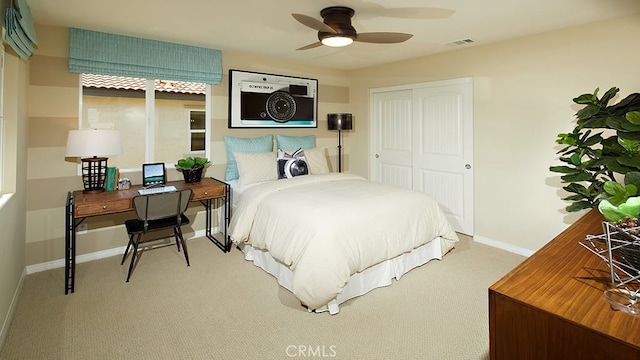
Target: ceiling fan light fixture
337 41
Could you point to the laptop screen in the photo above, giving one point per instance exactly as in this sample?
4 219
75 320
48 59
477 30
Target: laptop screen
153 174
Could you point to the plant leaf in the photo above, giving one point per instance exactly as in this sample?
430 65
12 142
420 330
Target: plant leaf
579 205
587 112
576 159
609 211
595 139
577 177
614 188
587 98
630 103
563 169
632 178
629 144
630 161
577 189
633 117
575 197
631 207
610 94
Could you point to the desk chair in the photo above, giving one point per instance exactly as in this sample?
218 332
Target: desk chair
160 211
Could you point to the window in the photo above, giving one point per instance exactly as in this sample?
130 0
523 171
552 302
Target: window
197 130
159 120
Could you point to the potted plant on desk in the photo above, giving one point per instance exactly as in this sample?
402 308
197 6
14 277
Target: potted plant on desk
601 170
192 168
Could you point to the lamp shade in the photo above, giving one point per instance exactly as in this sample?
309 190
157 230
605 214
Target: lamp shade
340 121
93 142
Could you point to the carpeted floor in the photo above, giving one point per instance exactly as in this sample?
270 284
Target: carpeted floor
223 307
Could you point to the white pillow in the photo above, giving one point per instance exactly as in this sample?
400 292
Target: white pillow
317 160
256 167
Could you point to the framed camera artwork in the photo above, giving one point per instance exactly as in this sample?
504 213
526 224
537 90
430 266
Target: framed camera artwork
258 100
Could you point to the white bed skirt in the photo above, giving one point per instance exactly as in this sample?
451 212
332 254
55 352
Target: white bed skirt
360 283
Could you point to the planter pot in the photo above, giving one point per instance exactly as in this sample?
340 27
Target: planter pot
191 176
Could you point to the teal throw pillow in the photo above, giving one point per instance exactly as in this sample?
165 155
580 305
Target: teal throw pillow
293 143
244 145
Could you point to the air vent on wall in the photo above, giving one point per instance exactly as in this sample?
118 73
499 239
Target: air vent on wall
461 42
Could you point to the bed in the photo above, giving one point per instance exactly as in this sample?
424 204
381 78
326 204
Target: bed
330 237
326 237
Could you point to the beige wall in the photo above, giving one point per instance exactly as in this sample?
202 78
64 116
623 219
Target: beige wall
522 99
54 109
14 170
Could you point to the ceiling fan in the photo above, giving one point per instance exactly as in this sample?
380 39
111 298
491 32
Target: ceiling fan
336 30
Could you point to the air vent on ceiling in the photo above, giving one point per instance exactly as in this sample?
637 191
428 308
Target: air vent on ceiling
461 42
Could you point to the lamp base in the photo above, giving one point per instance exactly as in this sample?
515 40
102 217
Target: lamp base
92 191
94 171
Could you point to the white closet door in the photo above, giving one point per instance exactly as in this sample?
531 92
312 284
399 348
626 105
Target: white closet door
442 151
422 138
392 138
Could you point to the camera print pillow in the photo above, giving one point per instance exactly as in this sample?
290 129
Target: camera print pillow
291 165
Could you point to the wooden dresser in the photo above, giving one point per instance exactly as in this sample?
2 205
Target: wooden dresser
552 305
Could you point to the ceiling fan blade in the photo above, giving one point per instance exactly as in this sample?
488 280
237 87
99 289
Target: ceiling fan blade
311 46
417 13
383 37
368 9
313 23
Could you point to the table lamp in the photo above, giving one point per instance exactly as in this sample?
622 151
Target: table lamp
339 122
92 145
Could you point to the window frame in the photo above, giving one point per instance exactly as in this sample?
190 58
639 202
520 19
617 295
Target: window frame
197 131
2 130
150 98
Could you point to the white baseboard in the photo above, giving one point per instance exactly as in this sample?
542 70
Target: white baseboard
12 309
503 246
89 257
119 250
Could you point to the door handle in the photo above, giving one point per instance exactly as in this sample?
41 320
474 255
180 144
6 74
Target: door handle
377 155
467 166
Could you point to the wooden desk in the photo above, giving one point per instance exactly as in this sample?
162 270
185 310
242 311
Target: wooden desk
80 206
552 305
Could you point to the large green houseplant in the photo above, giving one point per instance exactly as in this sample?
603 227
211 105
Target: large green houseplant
602 154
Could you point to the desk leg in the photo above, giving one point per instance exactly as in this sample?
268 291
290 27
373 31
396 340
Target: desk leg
224 245
70 246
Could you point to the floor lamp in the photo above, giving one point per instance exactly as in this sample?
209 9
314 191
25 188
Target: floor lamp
92 145
339 122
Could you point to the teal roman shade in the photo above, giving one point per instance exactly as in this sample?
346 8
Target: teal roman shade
100 53
20 33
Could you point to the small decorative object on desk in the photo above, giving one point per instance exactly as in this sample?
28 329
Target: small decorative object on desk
124 184
619 247
192 168
623 300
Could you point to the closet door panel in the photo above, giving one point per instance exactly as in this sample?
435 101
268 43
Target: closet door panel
392 138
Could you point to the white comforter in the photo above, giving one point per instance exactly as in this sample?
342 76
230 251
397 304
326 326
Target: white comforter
327 227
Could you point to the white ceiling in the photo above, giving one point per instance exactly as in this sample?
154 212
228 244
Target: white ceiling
266 27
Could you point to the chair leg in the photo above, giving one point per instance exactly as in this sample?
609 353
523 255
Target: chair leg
175 234
127 250
178 233
134 255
